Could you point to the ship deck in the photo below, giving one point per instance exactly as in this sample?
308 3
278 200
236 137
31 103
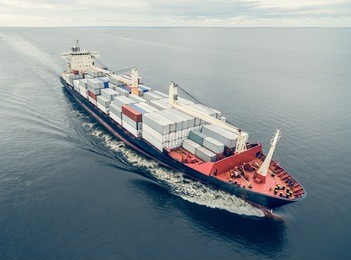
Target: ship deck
278 182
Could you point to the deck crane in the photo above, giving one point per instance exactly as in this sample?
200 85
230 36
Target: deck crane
173 102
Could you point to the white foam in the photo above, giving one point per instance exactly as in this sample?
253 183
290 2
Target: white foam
190 190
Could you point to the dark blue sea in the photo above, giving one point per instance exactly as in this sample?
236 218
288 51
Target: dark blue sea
70 190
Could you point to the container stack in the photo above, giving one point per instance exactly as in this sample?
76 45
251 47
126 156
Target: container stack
156 130
152 96
83 88
105 81
119 90
103 104
115 81
94 89
131 120
136 98
220 134
161 104
93 73
116 107
167 128
76 85
108 93
211 148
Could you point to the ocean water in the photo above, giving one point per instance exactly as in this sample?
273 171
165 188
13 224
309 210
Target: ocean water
70 190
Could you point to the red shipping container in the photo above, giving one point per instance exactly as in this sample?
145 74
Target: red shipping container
92 95
133 114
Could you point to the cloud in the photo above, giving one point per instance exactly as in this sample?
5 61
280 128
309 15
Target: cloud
176 13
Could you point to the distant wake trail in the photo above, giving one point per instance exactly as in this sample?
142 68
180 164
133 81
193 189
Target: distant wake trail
26 48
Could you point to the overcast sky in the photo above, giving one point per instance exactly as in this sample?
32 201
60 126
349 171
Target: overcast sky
175 13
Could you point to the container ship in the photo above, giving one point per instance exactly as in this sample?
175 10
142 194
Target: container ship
180 133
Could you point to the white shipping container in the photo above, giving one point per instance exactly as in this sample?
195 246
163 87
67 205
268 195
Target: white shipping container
149 138
131 129
135 125
151 96
103 101
159 104
123 100
190 146
159 137
136 98
102 108
116 118
220 134
93 101
83 91
115 109
213 145
146 107
83 83
109 93
205 154
95 83
158 122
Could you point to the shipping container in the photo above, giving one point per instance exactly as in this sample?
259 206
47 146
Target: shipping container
146 107
115 109
93 101
123 100
137 98
158 136
103 101
104 81
120 91
205 154
213 145
179 121
158 122
132 113
151 96
190 146
83 83
220 134
95 83
116 117
92 95
109 93
115 81
83 91
155 143
131 122
102 108
197 136
144 88
130 129
160 104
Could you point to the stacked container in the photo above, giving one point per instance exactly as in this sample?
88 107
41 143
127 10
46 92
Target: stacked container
83 87
103 104
95 86
131 120
108 93
116 107
220 134
151 96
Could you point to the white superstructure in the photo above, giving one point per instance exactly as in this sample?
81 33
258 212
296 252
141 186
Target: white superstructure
80 60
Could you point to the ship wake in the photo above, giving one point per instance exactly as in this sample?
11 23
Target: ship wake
188 189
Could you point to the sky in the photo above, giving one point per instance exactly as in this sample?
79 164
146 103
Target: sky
217 13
